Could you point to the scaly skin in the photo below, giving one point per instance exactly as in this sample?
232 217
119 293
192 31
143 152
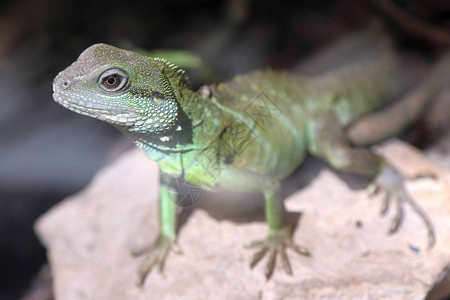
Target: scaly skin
247 134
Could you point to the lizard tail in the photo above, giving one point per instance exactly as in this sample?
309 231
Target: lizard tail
391 121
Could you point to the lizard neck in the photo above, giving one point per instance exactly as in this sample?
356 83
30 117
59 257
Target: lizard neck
200 122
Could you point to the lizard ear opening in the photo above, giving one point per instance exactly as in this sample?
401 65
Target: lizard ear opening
158 98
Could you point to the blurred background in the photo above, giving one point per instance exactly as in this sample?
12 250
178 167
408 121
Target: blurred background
48 152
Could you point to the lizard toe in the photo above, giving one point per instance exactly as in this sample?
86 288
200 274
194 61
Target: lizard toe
155 255
276 243
392 183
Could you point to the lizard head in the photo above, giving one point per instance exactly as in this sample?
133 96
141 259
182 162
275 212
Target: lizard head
124 88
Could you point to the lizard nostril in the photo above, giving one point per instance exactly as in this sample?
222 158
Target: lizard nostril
65 83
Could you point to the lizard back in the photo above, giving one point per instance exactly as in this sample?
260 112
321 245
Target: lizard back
271 110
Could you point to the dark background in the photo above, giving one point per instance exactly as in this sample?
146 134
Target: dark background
47 152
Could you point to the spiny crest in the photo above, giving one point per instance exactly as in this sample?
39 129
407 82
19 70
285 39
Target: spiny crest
173 69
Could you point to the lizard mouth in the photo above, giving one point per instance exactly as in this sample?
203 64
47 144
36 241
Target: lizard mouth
114 114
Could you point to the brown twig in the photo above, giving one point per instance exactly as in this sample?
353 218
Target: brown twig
413 25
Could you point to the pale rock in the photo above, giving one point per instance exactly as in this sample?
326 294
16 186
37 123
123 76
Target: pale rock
89 237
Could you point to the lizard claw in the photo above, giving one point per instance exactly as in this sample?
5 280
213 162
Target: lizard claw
392 184
155 255
276 242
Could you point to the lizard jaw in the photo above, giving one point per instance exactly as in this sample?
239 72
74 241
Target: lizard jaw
114 114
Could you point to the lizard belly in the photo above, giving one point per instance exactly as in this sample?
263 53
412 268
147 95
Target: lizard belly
245 153
274 151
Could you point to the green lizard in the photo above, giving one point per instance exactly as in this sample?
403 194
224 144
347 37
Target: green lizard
220 136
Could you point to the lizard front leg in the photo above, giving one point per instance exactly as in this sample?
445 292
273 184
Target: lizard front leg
156 254
327 140
279 237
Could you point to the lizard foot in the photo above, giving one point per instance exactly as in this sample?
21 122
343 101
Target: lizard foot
154 255
276 241
392 183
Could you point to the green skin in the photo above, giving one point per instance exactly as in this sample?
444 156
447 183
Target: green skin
247 134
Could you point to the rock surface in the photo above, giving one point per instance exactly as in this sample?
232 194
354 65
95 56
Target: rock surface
89 237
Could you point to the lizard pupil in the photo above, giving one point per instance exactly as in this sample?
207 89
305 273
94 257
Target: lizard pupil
112 81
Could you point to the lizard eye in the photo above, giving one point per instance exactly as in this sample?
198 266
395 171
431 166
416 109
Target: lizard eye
113 80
